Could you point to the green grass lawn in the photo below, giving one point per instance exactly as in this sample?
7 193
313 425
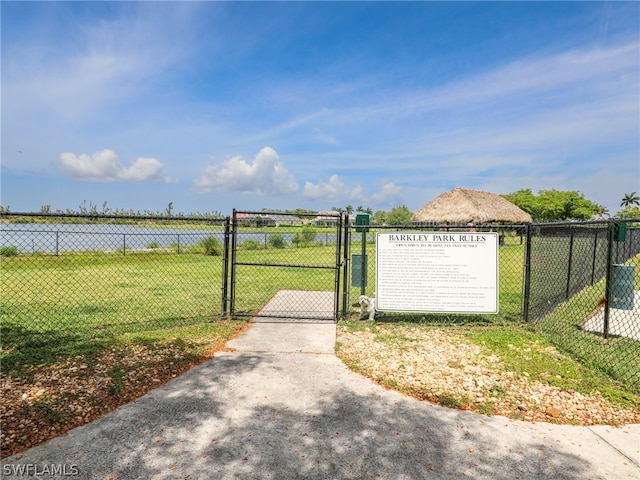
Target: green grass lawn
60 306
93 294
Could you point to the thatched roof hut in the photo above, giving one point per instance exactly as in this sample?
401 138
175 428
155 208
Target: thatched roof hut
462 206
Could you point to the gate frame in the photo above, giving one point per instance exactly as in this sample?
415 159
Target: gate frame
230 263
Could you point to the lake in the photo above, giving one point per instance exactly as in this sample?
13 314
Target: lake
57 238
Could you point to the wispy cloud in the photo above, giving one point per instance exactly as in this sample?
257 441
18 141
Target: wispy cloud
389 194
95 67
529 82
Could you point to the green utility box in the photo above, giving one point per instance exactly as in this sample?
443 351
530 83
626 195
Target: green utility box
362 222
619 232
623 279
356 270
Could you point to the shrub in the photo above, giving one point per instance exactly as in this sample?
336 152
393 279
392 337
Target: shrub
308 233
277 241
9 251
153 245
211 246
305 237
251 244
297 239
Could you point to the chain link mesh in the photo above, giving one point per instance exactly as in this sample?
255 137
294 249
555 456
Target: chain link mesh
73 276
584 293
65 277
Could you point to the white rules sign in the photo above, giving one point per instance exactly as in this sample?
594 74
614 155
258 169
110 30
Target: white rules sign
437 272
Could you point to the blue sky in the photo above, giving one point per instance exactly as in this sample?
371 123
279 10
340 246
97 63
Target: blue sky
216 105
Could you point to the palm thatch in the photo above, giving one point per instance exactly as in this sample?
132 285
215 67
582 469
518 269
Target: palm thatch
462 206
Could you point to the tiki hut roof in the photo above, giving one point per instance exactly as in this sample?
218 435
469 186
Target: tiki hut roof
462 206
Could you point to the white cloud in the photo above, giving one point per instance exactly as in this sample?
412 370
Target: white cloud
104 166
267 175
389 193
334 191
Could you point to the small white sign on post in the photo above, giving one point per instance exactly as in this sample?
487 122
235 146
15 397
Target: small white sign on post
437 272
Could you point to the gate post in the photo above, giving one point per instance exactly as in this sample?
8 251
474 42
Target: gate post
336 288
345 271
567 292
527 275
225 268
607 287
234 234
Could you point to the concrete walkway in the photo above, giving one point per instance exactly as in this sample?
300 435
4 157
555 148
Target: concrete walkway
282 406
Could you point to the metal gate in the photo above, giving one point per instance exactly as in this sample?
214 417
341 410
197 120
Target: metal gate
283 265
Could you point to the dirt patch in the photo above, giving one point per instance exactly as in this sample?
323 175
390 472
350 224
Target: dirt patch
53 399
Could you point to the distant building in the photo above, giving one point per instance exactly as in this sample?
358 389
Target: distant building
331 218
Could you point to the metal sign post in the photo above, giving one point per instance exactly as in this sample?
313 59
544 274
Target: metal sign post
362 224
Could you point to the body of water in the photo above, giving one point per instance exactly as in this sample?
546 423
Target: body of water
58 238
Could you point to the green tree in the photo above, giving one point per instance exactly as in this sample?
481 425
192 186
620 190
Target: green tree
630 199
526 201
367 210
565 205
555 205
379 217
629 212
399 216
602 211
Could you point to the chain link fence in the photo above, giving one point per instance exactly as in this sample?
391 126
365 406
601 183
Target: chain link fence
66 277
72 276
583 292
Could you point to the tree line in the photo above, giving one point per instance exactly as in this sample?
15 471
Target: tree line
557 205
545 206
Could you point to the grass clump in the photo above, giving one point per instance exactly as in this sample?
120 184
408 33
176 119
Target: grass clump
251 244
277 241
211 246
531 355
8 251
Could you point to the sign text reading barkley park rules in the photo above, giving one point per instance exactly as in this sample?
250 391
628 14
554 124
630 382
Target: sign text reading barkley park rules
437 272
